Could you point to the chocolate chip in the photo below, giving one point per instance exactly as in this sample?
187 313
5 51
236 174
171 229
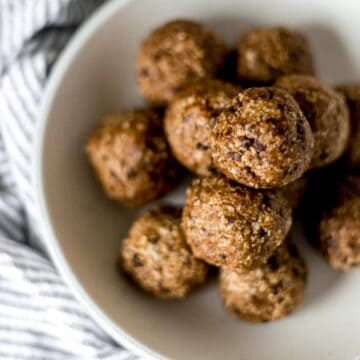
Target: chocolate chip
262 232
157 56
234 156
353 244
248 170
276 130
258 146
281 107
187 260
232 109
175 88
201 146
144 72
185 119
230 219
131 174
113 174
153 239
136 261
330 242
247 142
277 287
272 263
222 256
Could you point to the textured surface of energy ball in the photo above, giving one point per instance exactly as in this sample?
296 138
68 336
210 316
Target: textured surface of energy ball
131 157
326 112
189 119
157 258
339 228
351 92
227 224
294 191
269 292
174 54
262 139
265 54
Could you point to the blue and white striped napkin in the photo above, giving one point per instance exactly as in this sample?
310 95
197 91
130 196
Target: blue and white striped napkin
39 317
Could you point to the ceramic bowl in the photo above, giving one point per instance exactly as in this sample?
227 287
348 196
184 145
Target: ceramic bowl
95 76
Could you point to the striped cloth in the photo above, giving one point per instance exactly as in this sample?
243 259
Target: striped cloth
39 317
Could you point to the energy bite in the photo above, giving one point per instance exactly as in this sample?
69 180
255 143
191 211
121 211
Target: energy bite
326 112
131 157
262 140
189 119
174 54
155 255
227 224
339 228
265 54
269 292
351 92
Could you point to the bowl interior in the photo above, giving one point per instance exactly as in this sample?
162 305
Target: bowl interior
96 77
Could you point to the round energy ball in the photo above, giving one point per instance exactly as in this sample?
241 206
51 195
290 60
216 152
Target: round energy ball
189 119
269 292
267 53
156 257
262 140
174 54
339 229
227 224
131 157
326 112
351 92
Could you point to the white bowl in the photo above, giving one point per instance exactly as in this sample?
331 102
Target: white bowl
95 76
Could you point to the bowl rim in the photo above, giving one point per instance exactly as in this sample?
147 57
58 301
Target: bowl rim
99 18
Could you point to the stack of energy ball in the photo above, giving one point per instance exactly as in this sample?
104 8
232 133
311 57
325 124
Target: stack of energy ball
250 139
